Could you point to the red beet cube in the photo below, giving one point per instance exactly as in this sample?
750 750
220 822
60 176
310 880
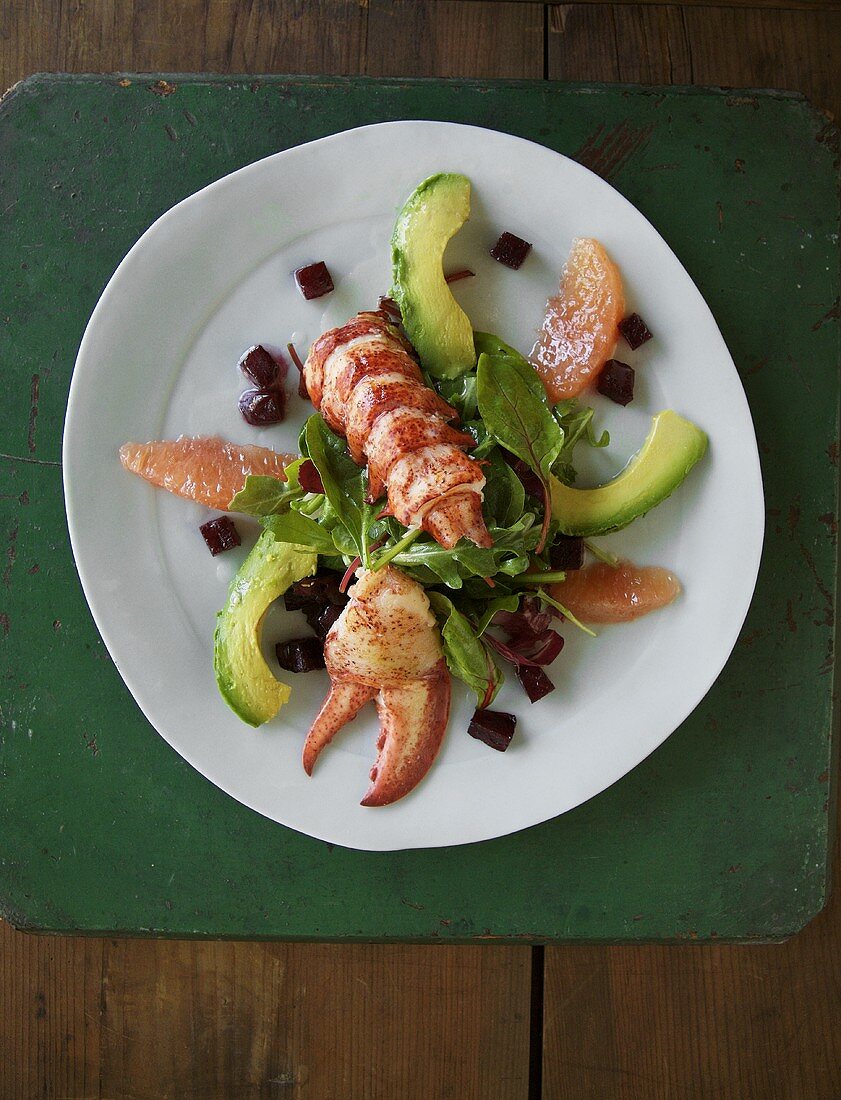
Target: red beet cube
325 620
616 381
314 281
494 727
635 331
300 654
259 367
261 407
535 681
511 250
220 534
567 553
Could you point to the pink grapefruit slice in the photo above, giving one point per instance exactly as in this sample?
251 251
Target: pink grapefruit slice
206 469
579 330
601 593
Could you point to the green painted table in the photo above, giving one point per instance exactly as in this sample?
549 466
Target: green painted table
722 833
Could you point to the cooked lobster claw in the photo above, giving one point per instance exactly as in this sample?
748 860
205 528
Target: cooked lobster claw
386 645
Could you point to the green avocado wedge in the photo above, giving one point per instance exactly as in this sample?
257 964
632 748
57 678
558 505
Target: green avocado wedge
437 326
672 447
245 681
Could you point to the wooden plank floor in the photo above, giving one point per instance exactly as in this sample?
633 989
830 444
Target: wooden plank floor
137 1019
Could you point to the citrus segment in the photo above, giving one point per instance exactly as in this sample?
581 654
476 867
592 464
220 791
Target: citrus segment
579 330
205 469
601 593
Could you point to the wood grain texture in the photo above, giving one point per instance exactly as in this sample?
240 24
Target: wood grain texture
49 1015
696 1022
794 5
671 44
451 38
298 36
169 1019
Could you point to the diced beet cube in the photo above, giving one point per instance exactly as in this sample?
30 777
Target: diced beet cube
494 727
326 619
314 281
616 381
535 681
262 407
260 367
635 331
309 478
567 553
300 654
322 589
511 250
220 534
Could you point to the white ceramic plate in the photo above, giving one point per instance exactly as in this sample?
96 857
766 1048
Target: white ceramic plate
158 359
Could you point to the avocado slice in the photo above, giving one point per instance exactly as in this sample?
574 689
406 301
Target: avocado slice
242 675
672 447
436 324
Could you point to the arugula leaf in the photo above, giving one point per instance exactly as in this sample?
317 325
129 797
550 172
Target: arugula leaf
460 393
514 408
511 602
302 531
265 496
432 564
575 422
485 442
467 657
341 477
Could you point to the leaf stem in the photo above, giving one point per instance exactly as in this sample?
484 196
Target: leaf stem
603 555
309 507
549 577
547 514
565 611
393 551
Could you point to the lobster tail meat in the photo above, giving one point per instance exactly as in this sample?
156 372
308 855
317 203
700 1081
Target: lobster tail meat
366 383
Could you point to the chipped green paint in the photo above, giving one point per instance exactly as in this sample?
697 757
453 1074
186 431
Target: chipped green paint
721 835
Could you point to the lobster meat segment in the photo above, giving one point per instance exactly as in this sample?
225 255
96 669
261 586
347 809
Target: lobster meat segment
386 646
364 380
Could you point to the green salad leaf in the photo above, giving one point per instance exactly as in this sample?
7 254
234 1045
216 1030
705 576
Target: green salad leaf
302 531
515 410
511 602
460 393
342 479
467 656
505 497
263 495
430 563
576 423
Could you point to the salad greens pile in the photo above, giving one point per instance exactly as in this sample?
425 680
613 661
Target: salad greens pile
520 439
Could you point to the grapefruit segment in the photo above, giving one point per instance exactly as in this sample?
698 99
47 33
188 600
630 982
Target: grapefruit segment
205 469
579 330
601 593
